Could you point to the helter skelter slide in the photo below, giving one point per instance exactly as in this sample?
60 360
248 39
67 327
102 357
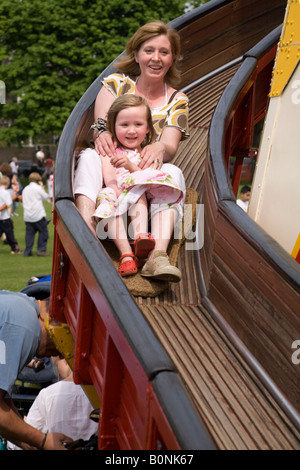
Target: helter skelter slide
213 361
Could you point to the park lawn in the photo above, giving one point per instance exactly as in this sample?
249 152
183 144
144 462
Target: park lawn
16 270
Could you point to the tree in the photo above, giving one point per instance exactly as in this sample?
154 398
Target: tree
51 51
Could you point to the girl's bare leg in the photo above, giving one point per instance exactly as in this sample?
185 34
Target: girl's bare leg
117 232
139 217
139 224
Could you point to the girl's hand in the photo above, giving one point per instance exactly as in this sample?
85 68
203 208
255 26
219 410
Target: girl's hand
119 160
152 155
104 145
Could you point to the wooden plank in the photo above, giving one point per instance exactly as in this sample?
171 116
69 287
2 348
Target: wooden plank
230 399
205 46
258 304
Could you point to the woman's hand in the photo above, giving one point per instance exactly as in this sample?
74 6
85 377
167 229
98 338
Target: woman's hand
104 144
152 155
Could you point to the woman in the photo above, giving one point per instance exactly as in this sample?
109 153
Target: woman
148 69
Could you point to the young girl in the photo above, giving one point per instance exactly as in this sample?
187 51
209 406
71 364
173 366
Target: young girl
130 189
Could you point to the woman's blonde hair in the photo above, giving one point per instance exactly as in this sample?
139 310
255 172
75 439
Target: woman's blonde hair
128 101
127 63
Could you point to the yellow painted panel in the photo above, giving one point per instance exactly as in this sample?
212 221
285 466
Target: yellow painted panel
288 53
296 248
64 342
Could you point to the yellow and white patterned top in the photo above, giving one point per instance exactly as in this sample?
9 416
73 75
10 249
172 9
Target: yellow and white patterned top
173 114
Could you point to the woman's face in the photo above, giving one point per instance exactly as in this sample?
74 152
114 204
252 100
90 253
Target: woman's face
155 57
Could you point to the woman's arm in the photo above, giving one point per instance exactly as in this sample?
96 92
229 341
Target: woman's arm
104 144
166 147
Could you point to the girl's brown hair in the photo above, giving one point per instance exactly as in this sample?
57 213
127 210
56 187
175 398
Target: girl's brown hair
128 101
127 63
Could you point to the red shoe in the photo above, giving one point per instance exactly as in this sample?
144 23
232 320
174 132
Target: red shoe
128 268
143 244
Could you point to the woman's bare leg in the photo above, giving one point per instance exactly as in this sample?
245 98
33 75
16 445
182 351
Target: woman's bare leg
86 207
162 227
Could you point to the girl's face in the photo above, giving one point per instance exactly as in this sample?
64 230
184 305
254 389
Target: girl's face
155 57
131 127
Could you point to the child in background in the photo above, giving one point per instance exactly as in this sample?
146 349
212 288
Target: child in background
63 407
35 215
6 224
243 201
129 189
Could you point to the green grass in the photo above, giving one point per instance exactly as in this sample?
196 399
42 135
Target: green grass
16 270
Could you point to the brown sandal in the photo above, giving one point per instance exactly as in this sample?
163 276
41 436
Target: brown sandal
128 268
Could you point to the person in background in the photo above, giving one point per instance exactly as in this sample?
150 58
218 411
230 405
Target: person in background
63 407
50 183
14 165
35 220
23 335
48 165
15 187
6 224
244 198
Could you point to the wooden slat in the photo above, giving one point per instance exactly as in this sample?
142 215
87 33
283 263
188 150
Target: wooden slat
230 400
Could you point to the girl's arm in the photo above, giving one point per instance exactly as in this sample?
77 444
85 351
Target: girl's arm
109 175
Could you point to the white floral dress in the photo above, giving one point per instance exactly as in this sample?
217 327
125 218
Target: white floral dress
163 190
